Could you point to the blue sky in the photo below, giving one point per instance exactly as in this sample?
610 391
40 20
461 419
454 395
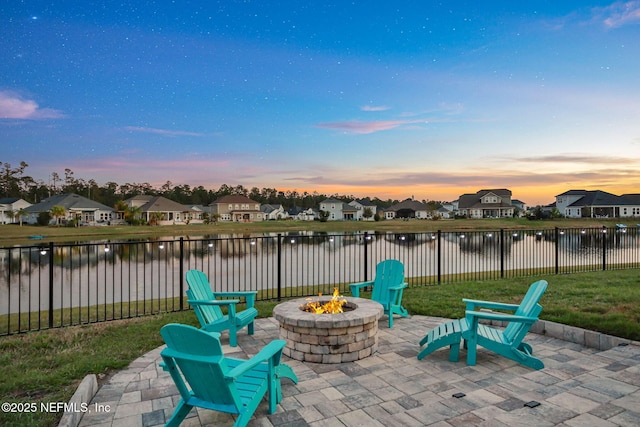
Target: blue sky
377 98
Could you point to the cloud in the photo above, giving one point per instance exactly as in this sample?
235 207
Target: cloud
577 158
358 127
12 106
164 132
620 13
374 108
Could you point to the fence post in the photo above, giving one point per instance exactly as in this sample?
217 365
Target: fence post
279 280
439 256
50 285
604 247
366 257
502 253
557 255
181 279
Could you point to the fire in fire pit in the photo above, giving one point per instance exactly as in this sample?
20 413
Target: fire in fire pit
336 304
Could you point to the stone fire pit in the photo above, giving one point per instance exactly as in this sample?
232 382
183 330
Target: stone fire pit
329 338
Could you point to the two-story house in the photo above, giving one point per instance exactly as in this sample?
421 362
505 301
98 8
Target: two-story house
364 206
494 203
597 204
237 208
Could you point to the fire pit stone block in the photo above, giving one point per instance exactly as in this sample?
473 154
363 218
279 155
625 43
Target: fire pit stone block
329 338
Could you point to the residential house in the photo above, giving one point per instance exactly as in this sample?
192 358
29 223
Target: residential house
597 204
303 214
521 207
494 203
631 206
198 213
339 210
9 208
362 206
237 208
444 212
159 210
273 212
334 207
78 208
408 208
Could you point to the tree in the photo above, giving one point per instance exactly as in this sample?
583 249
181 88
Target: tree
10 179
21 214
324 216
367 213
58 212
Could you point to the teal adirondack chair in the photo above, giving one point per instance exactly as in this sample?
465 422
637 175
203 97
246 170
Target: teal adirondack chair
508 342
194 358
388 287
207 307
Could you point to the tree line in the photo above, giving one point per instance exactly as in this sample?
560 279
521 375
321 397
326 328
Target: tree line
14 182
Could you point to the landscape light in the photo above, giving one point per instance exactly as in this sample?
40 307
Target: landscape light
106 248
161 246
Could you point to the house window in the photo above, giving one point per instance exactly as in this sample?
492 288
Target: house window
230 207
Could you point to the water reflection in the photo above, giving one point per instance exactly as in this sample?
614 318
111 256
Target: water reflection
108 272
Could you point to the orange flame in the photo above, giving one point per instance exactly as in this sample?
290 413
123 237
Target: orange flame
332 306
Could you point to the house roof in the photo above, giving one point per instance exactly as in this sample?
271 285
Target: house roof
332 200
8 200
573 193
233 198
470 201
410 204
267 208
162 204
596 198
365 202
631 199
70 202
502 192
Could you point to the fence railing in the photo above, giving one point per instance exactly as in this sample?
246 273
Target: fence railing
54 285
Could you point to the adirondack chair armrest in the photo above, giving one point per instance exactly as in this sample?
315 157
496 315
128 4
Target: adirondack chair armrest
486 315
228 302
269 351
250 296
399 287
473 305
355 288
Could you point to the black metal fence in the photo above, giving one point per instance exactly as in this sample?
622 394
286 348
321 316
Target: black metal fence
54 285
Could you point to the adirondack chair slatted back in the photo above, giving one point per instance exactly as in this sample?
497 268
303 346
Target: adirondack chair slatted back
388 273
529 307
201 362
200 290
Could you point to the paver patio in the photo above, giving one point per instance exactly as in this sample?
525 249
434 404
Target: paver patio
579 386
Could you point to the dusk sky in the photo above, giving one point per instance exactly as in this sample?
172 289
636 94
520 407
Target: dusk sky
388 99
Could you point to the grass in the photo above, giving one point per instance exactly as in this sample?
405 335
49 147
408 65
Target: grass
47 366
